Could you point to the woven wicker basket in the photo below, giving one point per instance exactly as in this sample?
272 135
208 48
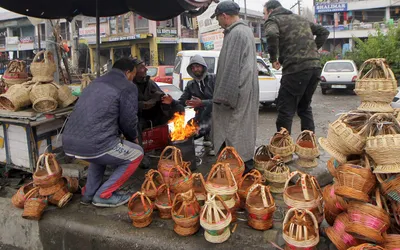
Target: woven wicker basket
282 144
163 202
170 157
15 73
231 156
215 220
367 246
48 172
390 186
377 87
276 175
153 180
249 179
61 197
262 158
307 149
338 235
64 96
221 181
71 183
43 67
23 193
355 181
305 194
34 208
261 206
16 97
180 178
199 188
392 241
383 143
44 97
49 190
334 205
300 229
367 221
186 213
140 210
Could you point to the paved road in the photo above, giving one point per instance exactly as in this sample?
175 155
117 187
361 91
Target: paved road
326 109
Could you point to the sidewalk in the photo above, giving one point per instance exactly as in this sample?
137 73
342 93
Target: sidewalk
86 227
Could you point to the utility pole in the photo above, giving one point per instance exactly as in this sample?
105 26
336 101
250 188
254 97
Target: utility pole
298 3
245 9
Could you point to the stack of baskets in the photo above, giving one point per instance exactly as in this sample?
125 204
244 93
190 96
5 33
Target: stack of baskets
364 146
42 92
48 186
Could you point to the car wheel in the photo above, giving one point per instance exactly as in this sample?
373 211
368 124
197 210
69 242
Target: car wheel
323 91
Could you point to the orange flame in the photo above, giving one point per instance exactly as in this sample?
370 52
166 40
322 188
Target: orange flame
181 131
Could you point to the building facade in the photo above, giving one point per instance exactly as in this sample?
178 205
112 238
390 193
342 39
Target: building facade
346 19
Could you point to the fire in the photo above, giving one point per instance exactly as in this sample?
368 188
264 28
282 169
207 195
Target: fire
180 130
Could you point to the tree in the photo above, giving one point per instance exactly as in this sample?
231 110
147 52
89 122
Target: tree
379 45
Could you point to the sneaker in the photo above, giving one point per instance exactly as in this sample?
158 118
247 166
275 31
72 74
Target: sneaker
207 144
115 200
211 152
86 200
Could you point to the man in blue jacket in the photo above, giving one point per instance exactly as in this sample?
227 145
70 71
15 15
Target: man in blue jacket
106 109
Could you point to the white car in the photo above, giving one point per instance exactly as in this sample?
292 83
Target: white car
396 100
338 74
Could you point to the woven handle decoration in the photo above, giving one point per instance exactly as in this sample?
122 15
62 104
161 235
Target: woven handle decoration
175 155
376 63
45 159
220 167
263 150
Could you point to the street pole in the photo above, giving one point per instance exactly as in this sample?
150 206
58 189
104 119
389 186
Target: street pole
245 9
298 6
97 40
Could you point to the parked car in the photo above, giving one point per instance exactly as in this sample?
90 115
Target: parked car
396 100
269 84
338 74
160 73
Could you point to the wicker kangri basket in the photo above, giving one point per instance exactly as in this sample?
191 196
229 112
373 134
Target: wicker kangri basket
276 175
282 144
140 210
215 220
261 206
383 143
249 179
153 180
231 156
23 193
180 178
307 149
367 221
300 229
163 202
338 235
44 97
262 158
48 172
305 194
355 181
221 181
390 186
43 67
186 213
16 97
170 157
367 246
377 87
199 188
334 204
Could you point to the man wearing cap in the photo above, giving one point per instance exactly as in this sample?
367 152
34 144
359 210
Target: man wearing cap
291 42
106 109
236 94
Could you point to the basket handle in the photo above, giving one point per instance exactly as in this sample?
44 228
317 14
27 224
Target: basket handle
291 175
200 177
263 150
45 158
230 151
175 155
31 192
56 165
376 62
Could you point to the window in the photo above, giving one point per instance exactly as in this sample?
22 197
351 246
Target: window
120 24
169 71
42 32
127 24
178 64
64 30
210 61
152 71
263 69
339 67
113 26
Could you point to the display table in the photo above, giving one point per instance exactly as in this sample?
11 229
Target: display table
27 134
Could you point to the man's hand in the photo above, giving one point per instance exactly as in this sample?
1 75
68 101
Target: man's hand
195 102
276 65
166 99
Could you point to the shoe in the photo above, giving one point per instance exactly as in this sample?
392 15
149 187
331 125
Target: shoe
207 144
86 200
211 152
115 200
